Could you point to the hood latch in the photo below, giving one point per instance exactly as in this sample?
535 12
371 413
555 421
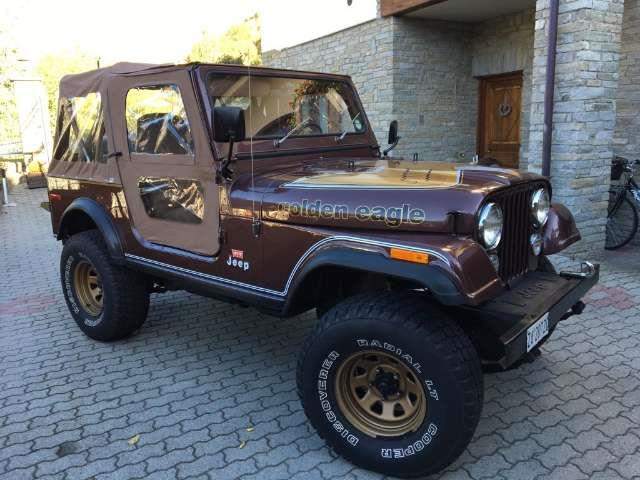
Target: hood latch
452 217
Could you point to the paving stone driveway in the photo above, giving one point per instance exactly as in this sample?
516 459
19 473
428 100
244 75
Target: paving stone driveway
210 390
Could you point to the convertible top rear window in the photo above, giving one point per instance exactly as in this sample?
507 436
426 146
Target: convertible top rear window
81 134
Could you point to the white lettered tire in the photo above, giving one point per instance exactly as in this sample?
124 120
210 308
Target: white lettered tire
391 384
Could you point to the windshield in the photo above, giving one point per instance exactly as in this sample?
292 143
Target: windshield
282 107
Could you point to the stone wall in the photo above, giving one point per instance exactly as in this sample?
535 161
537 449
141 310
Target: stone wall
435 96
627 133
363 52
505 45
585 108
415 71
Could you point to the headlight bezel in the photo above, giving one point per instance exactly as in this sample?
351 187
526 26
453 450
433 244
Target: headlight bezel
483 216
539 194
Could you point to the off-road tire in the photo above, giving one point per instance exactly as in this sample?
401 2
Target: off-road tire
125 299
441 357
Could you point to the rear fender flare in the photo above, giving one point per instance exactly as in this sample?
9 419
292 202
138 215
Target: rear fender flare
102 220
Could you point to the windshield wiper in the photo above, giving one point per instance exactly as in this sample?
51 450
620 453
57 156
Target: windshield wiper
279 141
340 137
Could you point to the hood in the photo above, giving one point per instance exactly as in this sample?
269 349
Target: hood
381 193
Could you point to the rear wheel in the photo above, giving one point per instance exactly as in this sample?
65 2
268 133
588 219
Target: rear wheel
391 384
107 302
622 220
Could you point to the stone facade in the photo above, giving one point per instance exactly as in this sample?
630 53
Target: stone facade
434 94
585 108
419 76
627 133
505 45
363 52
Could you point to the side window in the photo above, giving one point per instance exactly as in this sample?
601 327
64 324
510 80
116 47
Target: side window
157 122
81 135
175 199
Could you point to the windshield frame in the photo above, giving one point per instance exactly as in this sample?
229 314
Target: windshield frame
295 142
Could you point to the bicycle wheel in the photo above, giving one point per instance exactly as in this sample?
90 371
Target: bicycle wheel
622 220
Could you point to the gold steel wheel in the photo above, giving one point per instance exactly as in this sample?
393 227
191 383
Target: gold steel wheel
88 287
380 395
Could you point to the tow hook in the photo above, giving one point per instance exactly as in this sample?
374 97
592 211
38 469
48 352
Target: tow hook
577 309
587 269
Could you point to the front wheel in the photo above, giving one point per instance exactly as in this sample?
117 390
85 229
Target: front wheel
622 220
391 384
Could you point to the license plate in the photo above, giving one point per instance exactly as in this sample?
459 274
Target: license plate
537 331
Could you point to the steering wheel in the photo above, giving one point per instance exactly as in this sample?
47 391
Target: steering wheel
314 128
178 128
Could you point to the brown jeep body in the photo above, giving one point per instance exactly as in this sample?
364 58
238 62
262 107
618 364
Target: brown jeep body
310 212
420 272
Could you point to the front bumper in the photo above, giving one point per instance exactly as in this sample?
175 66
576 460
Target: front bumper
499 327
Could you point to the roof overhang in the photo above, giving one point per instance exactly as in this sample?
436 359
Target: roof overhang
469 11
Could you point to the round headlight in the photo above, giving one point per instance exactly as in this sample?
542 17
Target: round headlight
495 261
540 206
536 243
490 225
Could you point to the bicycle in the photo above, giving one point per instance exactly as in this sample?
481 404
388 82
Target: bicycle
622 214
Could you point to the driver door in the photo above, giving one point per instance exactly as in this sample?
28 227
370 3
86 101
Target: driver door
166 165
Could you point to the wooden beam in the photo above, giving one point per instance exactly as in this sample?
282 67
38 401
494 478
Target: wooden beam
401 7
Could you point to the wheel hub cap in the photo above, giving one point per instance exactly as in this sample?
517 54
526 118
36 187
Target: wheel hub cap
380 395
386 383
88 287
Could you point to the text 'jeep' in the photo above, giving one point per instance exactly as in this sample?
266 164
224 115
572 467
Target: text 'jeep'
268 188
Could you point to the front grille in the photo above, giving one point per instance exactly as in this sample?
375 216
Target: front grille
514 249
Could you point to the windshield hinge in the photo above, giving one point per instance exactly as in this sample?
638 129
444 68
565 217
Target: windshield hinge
256 227
453 222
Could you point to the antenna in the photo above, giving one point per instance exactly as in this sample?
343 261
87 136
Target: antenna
255 224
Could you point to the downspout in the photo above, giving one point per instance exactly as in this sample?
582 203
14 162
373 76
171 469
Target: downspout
549 90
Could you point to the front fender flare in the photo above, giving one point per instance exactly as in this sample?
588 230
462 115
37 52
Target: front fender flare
560 231
103 221
432 276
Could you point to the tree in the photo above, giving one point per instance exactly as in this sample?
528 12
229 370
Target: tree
240 44
9 66
52 67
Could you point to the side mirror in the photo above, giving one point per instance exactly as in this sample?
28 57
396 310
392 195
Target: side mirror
393 137
228 127
228 124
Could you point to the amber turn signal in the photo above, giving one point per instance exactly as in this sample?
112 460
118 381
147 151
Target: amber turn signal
409 255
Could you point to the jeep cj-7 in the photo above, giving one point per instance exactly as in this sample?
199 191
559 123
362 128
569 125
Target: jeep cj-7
267 188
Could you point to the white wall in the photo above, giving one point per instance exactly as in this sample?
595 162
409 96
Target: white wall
286 23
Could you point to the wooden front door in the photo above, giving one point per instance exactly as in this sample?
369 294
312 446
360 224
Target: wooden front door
499 119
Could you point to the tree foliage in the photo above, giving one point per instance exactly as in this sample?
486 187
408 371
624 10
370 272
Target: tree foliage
52 67
240 44
9 66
